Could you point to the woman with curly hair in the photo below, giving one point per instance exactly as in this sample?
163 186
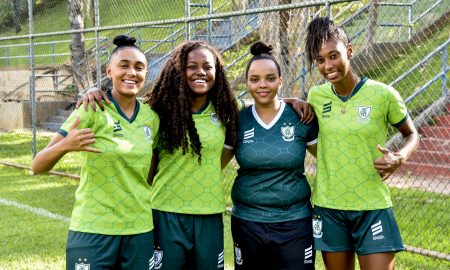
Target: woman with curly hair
197 106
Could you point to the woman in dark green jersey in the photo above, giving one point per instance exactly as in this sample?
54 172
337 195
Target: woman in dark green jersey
111 225
352 205
271 218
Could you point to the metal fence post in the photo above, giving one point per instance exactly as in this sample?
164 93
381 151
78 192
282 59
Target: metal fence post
187 16
7 56
444 71
32 86
97 42
410 7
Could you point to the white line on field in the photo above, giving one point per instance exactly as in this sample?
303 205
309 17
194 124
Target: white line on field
37 211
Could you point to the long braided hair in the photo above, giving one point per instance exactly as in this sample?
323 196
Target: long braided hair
319 31
172 99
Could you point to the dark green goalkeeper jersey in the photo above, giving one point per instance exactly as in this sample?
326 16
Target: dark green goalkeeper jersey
271 186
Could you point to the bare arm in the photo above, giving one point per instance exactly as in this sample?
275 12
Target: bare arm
302 108
227 155
391 161
76 140
153 167
92 97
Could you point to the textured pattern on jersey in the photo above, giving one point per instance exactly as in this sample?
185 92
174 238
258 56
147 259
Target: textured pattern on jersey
181 185
348 135
113 196
270 186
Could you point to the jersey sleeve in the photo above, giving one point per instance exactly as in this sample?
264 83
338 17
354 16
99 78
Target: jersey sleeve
240 104
156 123
85 120
313 132
228 143
397 111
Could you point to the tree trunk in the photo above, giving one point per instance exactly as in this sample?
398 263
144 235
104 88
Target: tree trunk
371 28
80 63
16 16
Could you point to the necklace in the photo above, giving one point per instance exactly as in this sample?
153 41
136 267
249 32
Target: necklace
345 98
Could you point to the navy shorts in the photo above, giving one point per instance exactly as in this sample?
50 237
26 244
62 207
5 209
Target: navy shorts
366 232
280 245
185 241
99 251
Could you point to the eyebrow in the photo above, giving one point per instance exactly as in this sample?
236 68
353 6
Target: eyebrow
128 61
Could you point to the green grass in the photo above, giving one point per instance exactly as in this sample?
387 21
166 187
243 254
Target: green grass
30 241
17 148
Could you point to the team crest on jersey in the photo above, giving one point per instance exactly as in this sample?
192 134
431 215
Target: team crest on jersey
287 132
364 113
148 133
158 255
215 119
82 265
317 227
238 255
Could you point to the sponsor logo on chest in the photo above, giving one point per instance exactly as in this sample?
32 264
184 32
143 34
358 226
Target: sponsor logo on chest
117 129
248 136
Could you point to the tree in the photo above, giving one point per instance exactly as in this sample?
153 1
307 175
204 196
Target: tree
80 61
371 28
16 16
284 30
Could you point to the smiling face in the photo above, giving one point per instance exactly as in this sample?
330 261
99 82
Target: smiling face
200 71
333 60
263 81
127 69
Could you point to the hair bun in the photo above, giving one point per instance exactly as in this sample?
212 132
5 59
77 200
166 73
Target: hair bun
259 47
124 40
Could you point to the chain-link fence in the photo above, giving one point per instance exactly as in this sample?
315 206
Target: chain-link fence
52 52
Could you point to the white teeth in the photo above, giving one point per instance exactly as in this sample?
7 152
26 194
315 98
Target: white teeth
200 81
332 74
128 81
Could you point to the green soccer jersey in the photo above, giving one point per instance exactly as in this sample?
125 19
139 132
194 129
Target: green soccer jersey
347 146
271 186
181 184
113 197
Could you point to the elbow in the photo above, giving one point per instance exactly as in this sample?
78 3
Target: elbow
37 168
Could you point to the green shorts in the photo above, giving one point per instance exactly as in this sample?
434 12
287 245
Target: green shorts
184 241
99 251
365 232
